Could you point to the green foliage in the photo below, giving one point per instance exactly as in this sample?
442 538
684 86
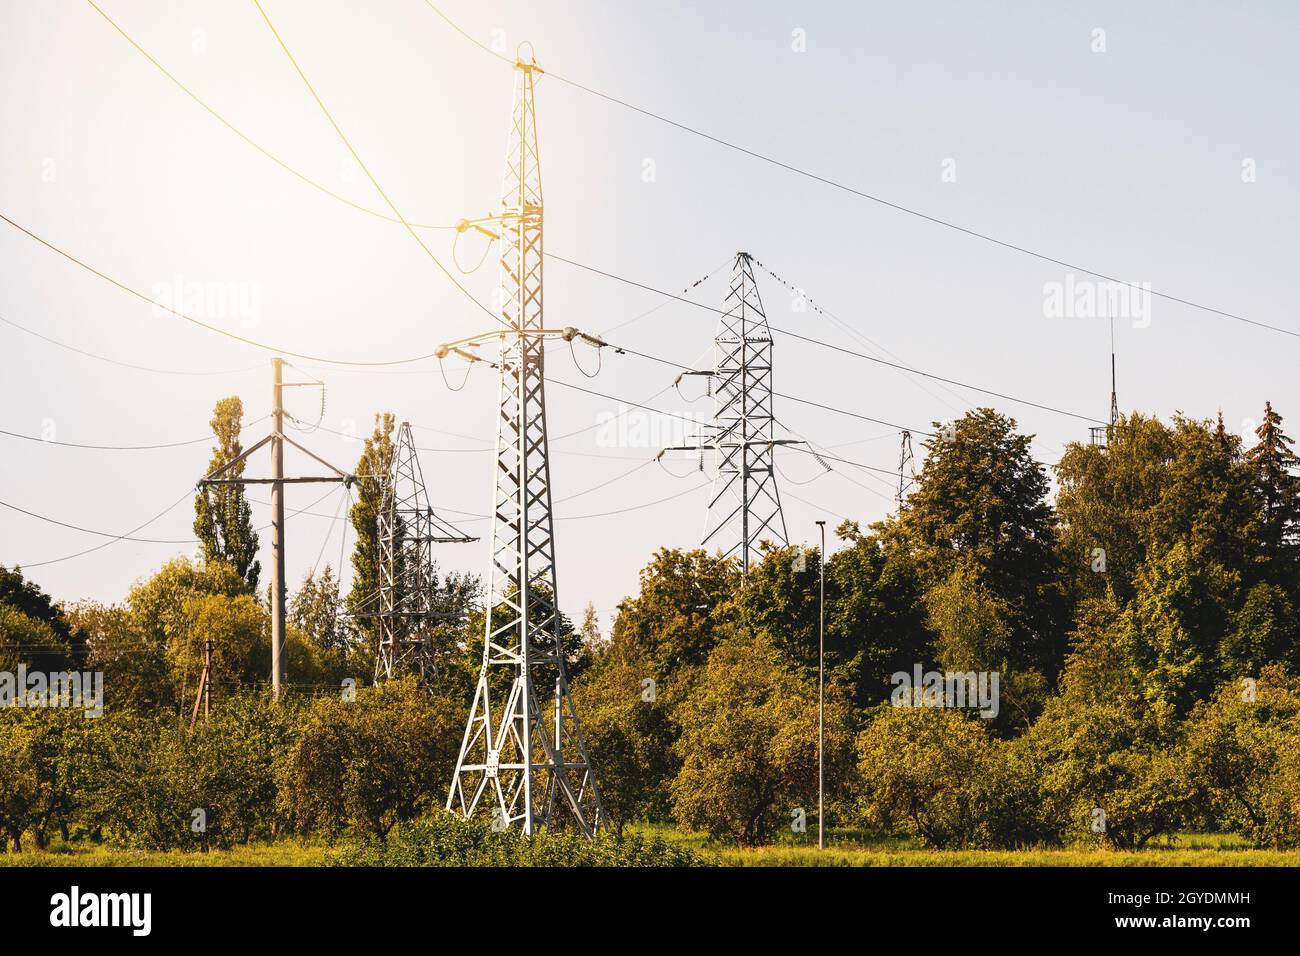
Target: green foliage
628 738
384 757
442 839
223 518
1274 463
980 506
1173 630
1241 749
135 669
748 744
875 615
673 619
27 640
19 784
28 615
938 775
1116 754
372 473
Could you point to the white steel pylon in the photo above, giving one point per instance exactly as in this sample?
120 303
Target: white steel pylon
745 506
520 762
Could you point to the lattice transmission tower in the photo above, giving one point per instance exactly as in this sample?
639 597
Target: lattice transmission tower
745 505
521 762
408 528
906 469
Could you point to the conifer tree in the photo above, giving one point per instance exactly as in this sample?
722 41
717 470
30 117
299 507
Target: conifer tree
1274 463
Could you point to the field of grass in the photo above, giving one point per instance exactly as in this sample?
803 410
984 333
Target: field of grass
850 849
843 849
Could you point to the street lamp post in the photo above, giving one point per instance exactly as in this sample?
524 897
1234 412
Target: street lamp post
821 683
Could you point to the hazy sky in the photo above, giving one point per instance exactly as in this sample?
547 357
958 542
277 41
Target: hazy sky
1170 158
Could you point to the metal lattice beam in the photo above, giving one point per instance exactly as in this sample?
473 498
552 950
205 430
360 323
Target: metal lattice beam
745 506
408 528
521 763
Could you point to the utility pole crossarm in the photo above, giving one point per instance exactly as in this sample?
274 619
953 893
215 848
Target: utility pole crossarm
276 440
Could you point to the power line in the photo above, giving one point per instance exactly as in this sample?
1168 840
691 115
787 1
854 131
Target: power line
861 194
112 361
98 534
175 444
365 169
199 322
379 214
113 540
827 345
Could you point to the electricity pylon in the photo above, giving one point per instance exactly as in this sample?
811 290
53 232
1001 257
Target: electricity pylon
906 468
407 530
528 764
745 506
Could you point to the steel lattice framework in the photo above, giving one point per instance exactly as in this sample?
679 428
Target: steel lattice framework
408 528
745 506
528 764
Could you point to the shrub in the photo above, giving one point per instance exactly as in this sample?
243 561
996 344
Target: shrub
444 839
384 757
938 775
748 744
1243 752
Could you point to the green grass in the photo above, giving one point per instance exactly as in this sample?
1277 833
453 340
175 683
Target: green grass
280 853
853 849
843 849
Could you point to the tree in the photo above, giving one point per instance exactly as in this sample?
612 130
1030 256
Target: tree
748 744
1274 464
1103 754
930 772
674 618
1264 631
61 644
223 518
1174 628
384 757
628 730
19 786
134 668
314 610
1105 499
26 640
875 616
373 478
980 504
1151 488
160 613
1240 750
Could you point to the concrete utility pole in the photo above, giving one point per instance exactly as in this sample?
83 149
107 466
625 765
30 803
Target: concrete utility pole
821 688
277 527
276 440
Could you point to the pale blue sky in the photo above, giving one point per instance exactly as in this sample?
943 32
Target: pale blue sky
1127 161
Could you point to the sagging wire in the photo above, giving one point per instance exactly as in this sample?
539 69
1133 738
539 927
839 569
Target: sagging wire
708 385
455 243
578 365
463 382
312 382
